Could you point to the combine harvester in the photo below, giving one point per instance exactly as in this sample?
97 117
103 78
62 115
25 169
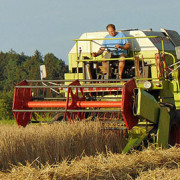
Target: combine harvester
144 104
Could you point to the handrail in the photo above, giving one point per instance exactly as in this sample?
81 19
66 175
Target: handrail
99 60
170 54
174 63
137 37
117 38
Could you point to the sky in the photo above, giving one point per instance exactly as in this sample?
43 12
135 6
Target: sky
49 26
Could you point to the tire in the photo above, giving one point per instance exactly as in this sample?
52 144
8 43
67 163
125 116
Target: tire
174 132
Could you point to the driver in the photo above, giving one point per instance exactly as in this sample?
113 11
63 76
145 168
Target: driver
117 47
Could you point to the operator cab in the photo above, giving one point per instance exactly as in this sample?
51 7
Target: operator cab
144 59
95 70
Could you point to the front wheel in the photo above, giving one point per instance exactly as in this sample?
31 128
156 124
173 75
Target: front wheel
174 133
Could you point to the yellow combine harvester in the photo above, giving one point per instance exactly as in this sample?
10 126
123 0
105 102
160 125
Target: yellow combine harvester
144 104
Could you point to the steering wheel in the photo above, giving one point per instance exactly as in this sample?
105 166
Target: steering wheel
107 48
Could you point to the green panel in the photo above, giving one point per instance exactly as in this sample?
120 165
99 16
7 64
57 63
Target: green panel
154 86
177 100
131 143
73 76
134 142
146 106
163 128
174 87
153 71
166 95
148 55
73 62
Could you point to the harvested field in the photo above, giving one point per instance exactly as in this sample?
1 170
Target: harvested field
79 151
148 164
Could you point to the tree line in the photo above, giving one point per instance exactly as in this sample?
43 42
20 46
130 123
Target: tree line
16 67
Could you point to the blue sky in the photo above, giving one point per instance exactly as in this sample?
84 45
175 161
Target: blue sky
50 25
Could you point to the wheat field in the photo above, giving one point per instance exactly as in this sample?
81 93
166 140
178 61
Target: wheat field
56 142
79 151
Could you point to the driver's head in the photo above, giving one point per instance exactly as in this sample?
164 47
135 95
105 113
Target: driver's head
111 29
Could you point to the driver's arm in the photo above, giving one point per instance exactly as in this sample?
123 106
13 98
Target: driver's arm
101 50
125 47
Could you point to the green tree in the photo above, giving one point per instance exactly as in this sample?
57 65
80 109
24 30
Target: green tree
6 105
31 66
13 71
3 62
55 67
16 67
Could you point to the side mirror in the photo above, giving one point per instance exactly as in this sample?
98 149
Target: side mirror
43 72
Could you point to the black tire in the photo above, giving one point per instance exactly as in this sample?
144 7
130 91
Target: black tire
174 132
